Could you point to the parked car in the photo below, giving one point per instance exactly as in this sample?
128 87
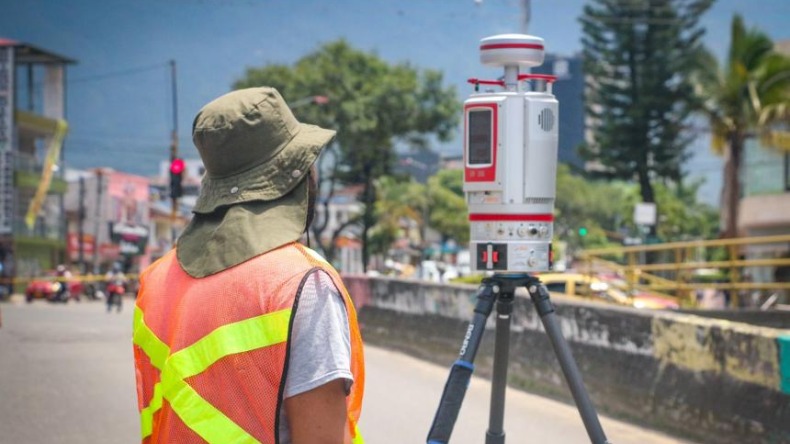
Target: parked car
582 285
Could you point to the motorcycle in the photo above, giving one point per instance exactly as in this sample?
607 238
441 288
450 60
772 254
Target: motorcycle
60 293
115 292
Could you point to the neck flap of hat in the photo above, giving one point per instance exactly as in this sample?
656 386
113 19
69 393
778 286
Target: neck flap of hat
233 235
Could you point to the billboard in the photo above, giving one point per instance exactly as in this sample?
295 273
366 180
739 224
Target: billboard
129 217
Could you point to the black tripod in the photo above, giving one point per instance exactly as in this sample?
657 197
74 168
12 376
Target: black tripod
501 288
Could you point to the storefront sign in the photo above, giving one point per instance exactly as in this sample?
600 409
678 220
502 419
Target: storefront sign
131 239
73 246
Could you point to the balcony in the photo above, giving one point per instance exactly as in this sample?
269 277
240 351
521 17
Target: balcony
27 174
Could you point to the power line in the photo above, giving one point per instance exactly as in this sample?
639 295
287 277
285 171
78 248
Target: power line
120 138
122 73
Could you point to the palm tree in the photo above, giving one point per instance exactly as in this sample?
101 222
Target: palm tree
742 99
400 208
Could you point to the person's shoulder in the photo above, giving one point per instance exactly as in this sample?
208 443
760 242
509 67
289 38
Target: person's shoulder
314 255
158 265
296 253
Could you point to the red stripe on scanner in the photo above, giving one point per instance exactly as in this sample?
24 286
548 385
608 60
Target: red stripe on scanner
511 217
512 46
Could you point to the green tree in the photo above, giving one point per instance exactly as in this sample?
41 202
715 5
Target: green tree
373 104
681 217
742 97
403 203
399 212
598 207
448 213
605 209
638 56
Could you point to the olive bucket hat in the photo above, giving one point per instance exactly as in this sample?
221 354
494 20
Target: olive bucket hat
253 196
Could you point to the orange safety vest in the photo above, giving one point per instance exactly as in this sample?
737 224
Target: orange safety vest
211 353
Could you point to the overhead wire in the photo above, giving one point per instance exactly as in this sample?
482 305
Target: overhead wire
121 73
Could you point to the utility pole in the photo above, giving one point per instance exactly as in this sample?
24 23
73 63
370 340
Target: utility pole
526 14
174 151
97 220
80 226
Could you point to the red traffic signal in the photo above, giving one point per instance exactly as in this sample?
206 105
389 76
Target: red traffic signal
177 166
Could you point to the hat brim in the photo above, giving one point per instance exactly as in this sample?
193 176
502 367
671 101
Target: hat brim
226 238
269 180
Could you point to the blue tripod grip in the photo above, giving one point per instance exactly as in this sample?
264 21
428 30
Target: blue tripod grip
450 404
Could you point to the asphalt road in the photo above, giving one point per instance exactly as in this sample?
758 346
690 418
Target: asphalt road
66 376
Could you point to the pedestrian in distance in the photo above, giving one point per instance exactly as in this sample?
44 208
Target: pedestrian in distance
248 335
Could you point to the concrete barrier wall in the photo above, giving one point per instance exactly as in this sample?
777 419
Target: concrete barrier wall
706 379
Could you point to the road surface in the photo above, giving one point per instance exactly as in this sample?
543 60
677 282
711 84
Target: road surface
66 376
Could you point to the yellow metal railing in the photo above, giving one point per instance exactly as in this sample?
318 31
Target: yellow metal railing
673 269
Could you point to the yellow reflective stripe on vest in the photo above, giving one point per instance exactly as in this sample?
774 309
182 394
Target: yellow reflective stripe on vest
357 436
238 337
147 414
203 418
197 413
156 350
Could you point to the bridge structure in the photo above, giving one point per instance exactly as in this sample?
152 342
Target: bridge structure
753 271
696 377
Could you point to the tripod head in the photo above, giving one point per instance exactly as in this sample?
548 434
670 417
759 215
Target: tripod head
510 159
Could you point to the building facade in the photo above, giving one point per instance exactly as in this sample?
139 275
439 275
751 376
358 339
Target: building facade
109 220
569 90
32 130
764 208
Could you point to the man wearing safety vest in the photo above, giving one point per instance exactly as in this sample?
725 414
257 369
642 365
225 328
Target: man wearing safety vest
241 334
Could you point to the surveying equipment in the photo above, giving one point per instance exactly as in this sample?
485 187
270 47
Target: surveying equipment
510 160
510 163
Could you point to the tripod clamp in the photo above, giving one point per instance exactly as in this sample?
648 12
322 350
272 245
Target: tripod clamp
500 288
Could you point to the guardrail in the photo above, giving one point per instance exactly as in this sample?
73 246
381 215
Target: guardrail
673 268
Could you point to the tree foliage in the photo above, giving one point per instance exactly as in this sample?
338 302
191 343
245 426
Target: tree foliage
744 96
374 105
406 208
400 211
638 56
605 209
448 213
596 206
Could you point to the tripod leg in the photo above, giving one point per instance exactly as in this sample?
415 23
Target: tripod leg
540 297
495 433
461 371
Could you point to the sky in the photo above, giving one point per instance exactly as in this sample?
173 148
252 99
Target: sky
119 99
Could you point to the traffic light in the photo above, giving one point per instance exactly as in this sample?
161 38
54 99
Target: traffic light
176 176
583 231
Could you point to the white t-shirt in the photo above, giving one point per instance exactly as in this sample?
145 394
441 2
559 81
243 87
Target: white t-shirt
320 344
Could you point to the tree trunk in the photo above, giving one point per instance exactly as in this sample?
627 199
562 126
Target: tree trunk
368 216
732 185
648 196
319 227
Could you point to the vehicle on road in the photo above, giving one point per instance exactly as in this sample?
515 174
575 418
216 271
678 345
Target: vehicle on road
51 289
115 292
116 287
